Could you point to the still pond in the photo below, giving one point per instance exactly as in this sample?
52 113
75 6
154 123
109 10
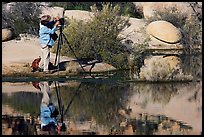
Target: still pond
104 107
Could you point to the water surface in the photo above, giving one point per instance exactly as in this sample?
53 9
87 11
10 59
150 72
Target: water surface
105 107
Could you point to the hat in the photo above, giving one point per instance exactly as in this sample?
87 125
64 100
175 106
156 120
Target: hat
45 18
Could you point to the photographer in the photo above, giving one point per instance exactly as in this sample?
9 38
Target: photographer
47 27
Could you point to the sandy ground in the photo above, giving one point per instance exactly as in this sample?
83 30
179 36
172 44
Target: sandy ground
23 51
18 55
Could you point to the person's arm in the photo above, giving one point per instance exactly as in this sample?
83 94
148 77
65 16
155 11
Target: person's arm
55 27
48 30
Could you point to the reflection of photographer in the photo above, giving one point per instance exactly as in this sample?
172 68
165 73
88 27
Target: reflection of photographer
50 118
47 39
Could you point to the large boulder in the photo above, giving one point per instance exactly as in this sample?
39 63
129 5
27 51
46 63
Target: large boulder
6 34
52 11
74 67
78 15
149 8
159 68
134 33
164 31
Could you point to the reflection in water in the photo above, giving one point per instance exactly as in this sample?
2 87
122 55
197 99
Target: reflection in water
108 108
50 117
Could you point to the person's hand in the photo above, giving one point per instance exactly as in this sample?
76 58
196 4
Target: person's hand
57 18
57 23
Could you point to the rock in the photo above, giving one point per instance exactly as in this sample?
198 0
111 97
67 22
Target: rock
164 31
159 68
52 11
149 8
78 14
173 61
7 7
135 33
6 34
128 130
155 43
74 67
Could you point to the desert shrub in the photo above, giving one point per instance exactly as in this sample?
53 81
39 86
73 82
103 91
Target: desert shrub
194 63
161 70
23 17
129 9
126 8
98 38
136 59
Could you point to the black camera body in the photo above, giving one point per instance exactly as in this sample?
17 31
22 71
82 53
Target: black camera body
52 23
61 20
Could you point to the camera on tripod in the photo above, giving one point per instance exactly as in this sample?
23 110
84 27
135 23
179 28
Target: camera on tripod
61 20
52 23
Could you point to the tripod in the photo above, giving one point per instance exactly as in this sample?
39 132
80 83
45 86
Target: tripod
60 42
61 105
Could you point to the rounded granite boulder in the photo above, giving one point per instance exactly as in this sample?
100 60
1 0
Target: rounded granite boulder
6 34
164 31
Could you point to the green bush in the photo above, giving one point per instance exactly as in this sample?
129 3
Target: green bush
98 38
129 9
136 59
126 8
22 18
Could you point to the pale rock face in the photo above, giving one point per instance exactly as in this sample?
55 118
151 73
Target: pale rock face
78 15
164 31
135 33
149 8
52 11
159 67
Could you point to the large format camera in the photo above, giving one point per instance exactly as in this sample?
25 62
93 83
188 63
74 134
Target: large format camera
61 20
52 23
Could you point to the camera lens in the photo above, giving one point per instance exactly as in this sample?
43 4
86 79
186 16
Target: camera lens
61 20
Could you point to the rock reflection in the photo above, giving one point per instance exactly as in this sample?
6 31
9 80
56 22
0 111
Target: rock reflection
146 124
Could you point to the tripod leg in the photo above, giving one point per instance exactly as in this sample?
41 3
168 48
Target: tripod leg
58 44
57 58
59 54
73 52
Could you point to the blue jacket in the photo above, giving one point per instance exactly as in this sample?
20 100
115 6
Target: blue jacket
44 33
45 115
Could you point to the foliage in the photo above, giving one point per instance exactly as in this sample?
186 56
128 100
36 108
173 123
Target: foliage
194 64
127 8
22 17
136 59
98 38
138 53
